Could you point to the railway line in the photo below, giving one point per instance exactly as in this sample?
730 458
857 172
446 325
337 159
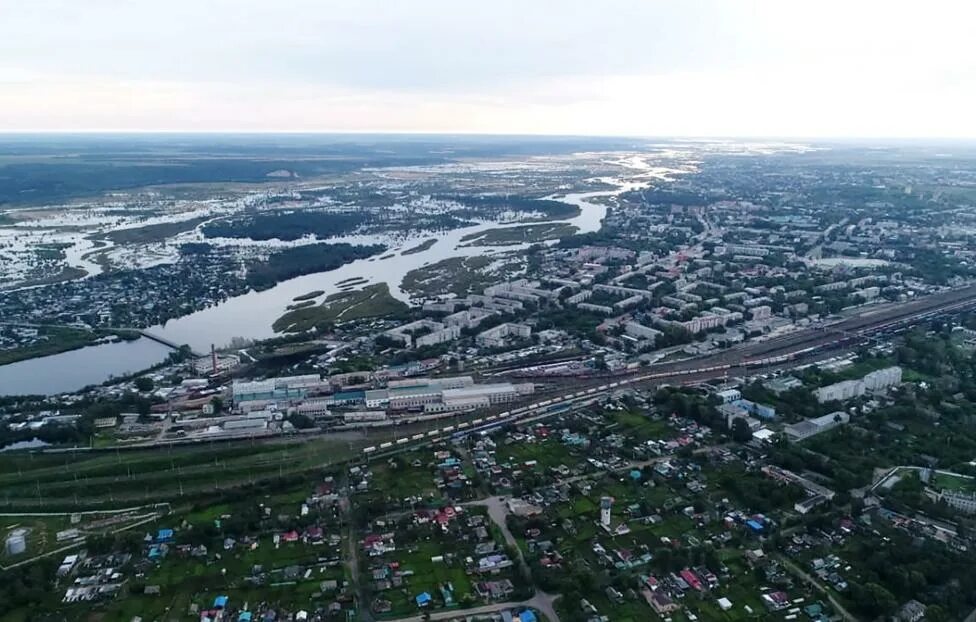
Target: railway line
778 351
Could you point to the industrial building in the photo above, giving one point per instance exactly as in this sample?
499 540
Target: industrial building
812 427
277 389
443 394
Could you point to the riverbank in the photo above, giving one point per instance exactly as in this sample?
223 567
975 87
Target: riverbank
58 339
73 370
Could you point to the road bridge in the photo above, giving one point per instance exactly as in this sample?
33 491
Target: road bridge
166 342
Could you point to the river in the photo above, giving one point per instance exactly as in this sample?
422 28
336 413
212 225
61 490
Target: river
76 369
251 315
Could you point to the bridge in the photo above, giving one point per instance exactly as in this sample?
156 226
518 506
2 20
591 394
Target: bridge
165 342
141 331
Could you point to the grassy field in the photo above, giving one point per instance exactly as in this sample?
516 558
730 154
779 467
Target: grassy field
108 479
520 235
403 479
548 454
127 477
642 426
955 483
369 302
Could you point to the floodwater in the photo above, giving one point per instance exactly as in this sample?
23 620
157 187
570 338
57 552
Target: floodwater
252 314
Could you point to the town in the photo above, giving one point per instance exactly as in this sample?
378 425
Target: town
736 396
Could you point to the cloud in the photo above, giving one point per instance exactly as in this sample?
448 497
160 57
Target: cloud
617 67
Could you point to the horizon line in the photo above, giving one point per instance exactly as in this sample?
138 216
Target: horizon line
279 132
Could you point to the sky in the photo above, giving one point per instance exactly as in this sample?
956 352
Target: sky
778 68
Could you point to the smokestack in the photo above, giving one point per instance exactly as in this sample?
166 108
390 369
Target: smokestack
213 358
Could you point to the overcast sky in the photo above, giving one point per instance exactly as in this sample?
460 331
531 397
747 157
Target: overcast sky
614 67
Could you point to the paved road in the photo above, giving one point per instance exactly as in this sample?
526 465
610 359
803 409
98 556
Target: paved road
796 570
498 512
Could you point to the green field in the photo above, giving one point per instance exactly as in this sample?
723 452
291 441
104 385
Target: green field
133 477
520 235
548 454
957 483
372 301
642 426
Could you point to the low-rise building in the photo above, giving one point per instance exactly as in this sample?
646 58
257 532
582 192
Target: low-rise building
812 427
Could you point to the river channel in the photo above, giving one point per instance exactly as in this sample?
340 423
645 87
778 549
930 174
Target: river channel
251 315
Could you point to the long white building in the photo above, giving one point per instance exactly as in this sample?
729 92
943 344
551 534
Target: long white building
496 337
883 379
840 391
878 380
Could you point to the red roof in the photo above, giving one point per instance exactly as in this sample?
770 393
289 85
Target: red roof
691 579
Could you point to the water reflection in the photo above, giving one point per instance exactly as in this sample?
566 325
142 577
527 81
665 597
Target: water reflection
76 369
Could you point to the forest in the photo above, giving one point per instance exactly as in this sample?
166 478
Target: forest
301 260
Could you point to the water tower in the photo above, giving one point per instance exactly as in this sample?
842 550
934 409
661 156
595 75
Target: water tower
606 503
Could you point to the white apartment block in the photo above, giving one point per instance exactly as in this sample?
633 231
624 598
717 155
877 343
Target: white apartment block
468 318
840 391
439 333
883 378
497 336
875 381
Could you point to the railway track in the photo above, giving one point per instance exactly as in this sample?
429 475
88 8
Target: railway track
776 351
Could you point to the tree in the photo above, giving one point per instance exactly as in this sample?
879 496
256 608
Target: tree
740 430
144 383
300 421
